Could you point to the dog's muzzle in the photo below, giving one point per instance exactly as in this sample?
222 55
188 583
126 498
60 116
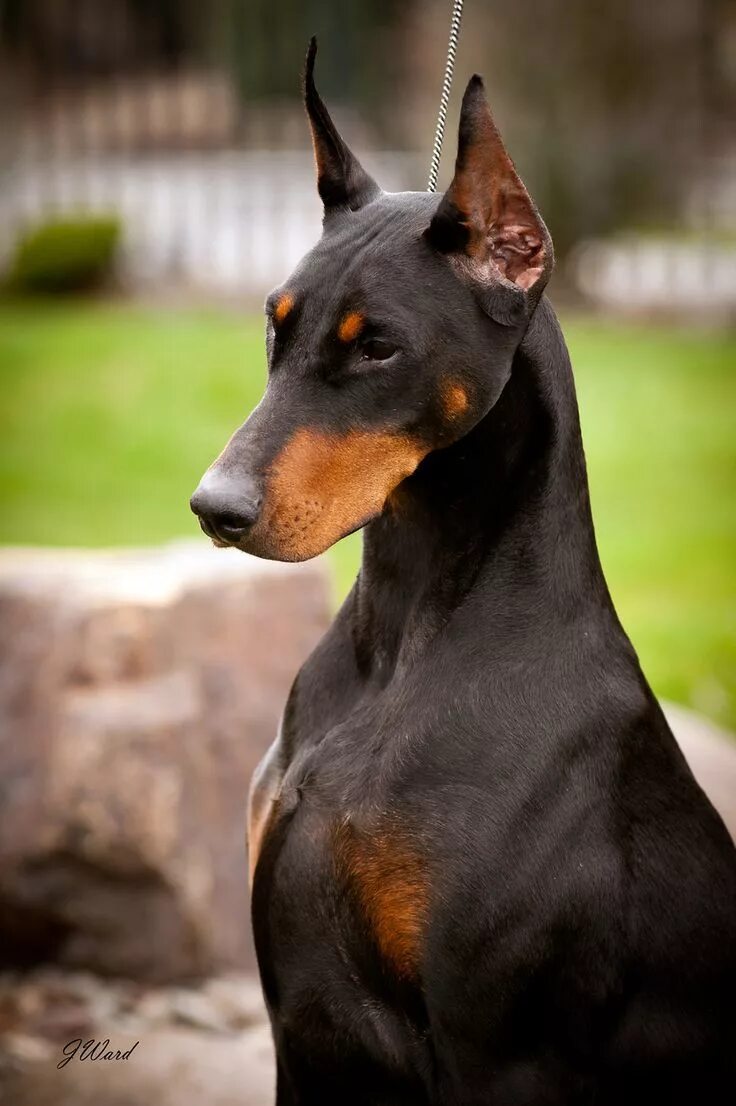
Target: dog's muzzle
227 509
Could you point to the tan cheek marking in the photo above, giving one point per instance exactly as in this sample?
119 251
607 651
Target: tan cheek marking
323 485
350 326
283 307
386 873
454 400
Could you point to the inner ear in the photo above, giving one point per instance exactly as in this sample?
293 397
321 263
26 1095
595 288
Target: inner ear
487 214
515 242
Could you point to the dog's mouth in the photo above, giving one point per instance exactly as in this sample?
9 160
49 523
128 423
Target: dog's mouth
218 539
220 544
291 532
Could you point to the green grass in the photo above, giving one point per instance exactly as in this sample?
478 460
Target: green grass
110 413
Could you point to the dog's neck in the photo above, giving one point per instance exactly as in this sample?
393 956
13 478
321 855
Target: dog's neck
502 517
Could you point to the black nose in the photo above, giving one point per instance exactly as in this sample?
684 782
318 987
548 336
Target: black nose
226 508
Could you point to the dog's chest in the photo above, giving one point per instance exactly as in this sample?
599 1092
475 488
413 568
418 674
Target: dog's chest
341 890
339 917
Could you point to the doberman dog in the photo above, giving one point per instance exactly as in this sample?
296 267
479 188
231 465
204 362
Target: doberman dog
482 872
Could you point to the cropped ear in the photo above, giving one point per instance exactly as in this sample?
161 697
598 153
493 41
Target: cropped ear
487 216
341 179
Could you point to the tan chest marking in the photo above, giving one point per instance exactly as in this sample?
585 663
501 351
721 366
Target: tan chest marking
262 806
385 870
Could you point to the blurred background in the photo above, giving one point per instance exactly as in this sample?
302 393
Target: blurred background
156 180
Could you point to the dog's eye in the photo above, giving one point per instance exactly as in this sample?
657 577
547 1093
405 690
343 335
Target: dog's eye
376 349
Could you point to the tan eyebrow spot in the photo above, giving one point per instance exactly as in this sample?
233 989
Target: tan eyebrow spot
454 400
350 326
283 307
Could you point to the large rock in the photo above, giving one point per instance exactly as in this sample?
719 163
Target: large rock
206 1044
138 690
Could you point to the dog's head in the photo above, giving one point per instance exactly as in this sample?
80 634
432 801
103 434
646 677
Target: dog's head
392 338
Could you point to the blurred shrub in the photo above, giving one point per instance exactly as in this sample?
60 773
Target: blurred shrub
66 255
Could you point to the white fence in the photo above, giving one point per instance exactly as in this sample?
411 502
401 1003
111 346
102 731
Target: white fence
230 221
642 273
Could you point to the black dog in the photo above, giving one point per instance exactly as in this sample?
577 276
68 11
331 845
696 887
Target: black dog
483 873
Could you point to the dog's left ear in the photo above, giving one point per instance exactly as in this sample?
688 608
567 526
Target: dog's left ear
487 216
341 179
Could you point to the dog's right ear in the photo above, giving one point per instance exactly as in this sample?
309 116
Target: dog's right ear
486 220
341 179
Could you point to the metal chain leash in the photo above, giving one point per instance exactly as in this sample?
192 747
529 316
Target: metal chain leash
439 134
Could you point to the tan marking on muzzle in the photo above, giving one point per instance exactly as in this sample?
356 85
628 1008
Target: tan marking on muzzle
283 307
350 326
321 486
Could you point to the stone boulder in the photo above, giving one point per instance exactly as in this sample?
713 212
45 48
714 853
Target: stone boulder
138 690
178 1045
